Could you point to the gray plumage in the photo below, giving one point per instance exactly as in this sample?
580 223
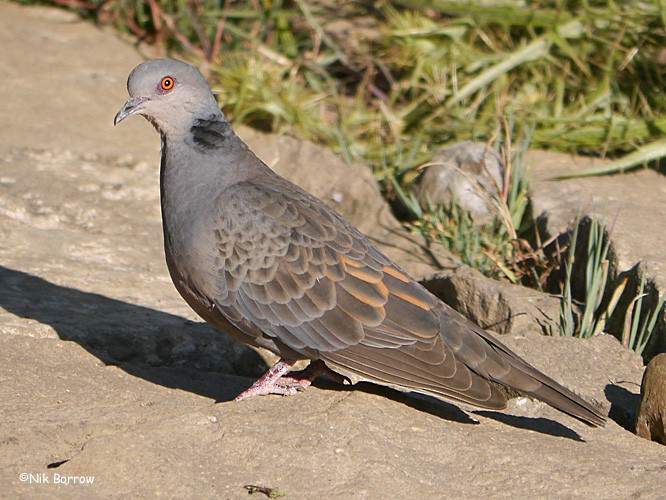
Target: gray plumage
270 264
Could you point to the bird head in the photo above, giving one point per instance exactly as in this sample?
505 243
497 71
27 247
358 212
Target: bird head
169 94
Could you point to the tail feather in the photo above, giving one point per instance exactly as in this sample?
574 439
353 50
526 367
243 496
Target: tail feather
425 346
388 367
523 377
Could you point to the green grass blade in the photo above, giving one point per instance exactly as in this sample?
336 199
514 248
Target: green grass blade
644 154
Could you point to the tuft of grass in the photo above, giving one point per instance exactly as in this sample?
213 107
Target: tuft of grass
641 156
568 326
640 325
596 312
492 246
367 79
596 279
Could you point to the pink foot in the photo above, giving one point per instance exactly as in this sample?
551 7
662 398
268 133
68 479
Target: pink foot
276 381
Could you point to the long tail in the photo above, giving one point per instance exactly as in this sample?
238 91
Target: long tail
527 379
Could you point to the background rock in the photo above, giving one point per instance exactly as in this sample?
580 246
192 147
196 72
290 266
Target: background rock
498 306
440 182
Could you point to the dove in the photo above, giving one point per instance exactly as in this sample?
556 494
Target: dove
273 266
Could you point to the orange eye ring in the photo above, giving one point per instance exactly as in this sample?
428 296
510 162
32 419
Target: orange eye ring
167 83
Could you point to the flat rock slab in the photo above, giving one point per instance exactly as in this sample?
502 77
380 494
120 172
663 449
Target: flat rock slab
106 373
137 437
634 204
498 306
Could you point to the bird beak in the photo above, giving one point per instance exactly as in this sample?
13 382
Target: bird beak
133 105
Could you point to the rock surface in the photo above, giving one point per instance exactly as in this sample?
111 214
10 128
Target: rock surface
107 373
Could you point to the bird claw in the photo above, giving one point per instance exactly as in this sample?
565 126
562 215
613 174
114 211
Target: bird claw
276 380
284 386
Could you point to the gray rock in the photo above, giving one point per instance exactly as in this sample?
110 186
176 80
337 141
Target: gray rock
440 182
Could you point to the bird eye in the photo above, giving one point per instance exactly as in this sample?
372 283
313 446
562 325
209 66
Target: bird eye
167 83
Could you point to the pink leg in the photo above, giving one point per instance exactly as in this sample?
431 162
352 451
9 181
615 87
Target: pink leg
276 381
267 383
305 377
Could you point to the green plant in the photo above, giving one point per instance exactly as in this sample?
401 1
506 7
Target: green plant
639 326
568 326
585 76
596 278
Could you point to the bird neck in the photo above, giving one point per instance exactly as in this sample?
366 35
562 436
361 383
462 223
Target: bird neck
211 134
205 154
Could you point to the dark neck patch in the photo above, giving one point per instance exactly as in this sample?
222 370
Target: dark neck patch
212 133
